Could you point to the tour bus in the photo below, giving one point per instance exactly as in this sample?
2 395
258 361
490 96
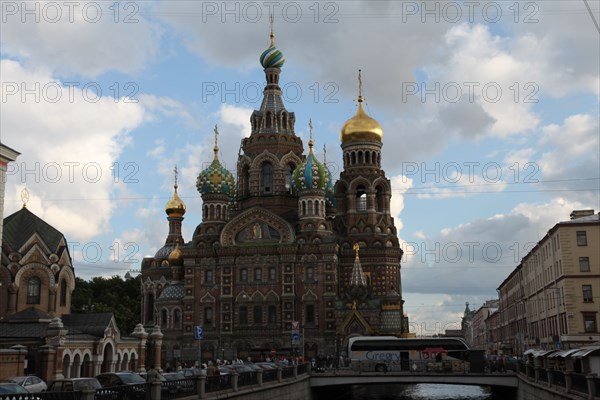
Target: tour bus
389 353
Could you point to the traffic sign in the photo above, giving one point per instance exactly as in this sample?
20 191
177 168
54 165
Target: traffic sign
295 338
198 332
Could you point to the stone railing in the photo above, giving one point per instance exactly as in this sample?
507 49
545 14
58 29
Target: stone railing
567 381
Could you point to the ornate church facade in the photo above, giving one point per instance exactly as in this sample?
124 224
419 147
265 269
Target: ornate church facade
284 260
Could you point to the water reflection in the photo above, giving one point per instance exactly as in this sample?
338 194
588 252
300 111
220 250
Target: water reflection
408 392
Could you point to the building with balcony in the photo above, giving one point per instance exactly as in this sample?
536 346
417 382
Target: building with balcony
551 299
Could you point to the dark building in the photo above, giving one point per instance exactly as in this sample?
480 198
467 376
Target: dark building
284 260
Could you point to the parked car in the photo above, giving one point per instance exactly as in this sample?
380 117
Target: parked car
74 384
11 388
129 385
110 379
183 384
32 383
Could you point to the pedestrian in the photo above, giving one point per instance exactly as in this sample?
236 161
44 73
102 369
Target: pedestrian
501 364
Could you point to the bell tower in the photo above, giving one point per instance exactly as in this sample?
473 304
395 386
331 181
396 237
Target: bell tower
363 218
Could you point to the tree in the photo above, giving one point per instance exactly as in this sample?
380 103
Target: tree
116 295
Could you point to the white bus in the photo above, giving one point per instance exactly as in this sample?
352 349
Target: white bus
389 353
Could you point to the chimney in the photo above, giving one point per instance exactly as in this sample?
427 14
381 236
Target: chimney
581 213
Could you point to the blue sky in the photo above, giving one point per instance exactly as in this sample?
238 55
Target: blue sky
490 119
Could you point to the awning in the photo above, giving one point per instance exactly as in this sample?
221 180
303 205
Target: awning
543 353
530 351
585 351
564 353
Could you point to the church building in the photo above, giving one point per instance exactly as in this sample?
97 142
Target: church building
285 260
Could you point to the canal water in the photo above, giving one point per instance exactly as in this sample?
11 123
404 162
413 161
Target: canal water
409 392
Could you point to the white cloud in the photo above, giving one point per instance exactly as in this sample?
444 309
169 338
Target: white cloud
472 259
85 39
68 147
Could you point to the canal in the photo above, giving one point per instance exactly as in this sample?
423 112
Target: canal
408 392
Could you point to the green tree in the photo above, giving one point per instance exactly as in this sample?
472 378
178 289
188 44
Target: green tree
116 295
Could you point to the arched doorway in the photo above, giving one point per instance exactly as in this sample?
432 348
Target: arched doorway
125 364
76 367
107 358
86 366
66 364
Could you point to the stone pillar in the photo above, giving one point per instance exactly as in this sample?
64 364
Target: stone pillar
568 381
591 386
55 337
156 336
12 298
76 369
52 300
279 374
537 373
295 371
155 387
234 380
201 386
259 377
550 374
47 358
97 367
142 336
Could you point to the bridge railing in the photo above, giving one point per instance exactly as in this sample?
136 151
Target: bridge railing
567 381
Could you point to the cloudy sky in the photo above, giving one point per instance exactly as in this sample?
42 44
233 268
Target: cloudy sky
489 110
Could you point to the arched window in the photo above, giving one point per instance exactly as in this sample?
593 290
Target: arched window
257 315
267 177
164 318
310 314
245 180
150 307
380 200
272 314
63 293
289 170
243 315
33 290
208 277
310 273
361 199
272 274
208 315
177 318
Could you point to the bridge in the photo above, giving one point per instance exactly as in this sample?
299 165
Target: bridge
346 377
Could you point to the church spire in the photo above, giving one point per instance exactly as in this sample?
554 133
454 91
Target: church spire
216 148
271 20
272 117
175 207
361 127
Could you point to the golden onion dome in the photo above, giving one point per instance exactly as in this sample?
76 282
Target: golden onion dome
176 258
175 206
361 127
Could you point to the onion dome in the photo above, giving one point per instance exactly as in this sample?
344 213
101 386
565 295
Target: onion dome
215 179
176 258
175 206
361 127
311 174
272 57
